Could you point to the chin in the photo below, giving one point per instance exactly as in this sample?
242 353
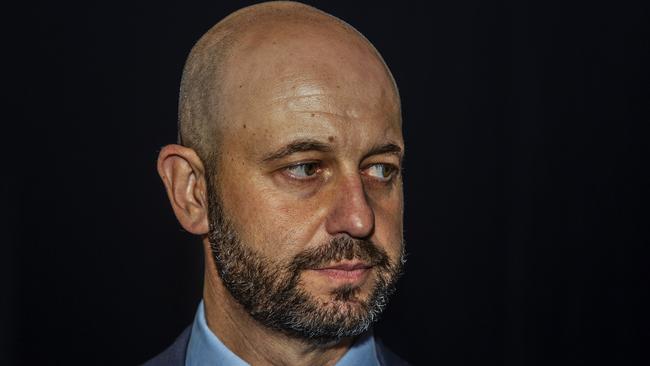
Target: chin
343 312
346 300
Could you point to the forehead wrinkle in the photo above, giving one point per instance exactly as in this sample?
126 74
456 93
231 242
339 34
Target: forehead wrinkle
329 101
294 98
292 86
319 112
317 105
320 103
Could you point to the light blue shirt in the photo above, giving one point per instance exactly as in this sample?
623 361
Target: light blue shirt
205 348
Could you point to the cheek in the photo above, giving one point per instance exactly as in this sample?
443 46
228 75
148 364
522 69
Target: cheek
389 223
276 224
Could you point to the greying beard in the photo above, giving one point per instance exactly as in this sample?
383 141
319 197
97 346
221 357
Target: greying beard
270 292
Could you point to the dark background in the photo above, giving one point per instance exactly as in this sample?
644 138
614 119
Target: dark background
526 180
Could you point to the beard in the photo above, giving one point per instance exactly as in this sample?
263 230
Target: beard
271 292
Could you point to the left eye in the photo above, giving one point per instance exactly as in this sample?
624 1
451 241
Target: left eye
381 171
302 171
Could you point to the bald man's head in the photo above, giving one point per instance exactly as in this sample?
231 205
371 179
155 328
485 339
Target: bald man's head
296 120
245 53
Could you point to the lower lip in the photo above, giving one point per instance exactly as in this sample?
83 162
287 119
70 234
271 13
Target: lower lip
354 275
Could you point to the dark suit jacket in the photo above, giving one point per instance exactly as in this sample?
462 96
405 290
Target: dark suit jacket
175 354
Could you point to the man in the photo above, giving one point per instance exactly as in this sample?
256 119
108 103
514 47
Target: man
289 168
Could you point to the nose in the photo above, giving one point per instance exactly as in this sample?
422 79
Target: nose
351 213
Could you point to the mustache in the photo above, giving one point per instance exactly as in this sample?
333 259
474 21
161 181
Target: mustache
339 248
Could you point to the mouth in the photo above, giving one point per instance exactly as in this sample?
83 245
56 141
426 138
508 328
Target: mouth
345 272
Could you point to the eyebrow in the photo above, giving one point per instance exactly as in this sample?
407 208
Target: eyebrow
316 145
389 148
297 146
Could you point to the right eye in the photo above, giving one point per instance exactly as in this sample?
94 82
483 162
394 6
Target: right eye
303 170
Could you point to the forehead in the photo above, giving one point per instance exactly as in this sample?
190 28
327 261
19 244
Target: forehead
328 81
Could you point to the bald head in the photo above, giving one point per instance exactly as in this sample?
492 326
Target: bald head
257 53
296 122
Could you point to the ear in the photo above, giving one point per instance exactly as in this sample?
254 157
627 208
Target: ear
183 174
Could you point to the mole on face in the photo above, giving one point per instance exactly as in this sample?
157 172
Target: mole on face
330 139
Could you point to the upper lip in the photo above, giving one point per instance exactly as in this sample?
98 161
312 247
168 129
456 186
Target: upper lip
347 266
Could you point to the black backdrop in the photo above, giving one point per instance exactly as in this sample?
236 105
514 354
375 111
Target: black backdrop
526 180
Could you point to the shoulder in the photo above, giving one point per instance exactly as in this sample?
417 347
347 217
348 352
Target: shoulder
386 356
175 354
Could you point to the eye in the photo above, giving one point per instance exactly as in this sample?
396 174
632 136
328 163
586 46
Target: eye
382 172
303 170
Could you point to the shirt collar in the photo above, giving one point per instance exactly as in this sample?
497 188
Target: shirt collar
205 348
362 352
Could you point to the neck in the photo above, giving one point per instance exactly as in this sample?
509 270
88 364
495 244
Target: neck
250 340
